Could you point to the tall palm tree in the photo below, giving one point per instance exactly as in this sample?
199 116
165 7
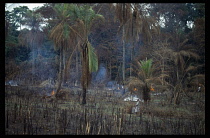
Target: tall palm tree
86 18
133 21
61 35
74 26
123 13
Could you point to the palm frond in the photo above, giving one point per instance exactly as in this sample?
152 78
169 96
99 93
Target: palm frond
134 82
93 59
184 42
146 67
196 79
199 76
190 68
154 80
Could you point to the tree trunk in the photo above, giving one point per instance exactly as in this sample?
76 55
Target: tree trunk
123 65
145 94
177 90
67 66
163 72
110 68
131 51
33 56
77 68
84 96
86 76
177 74
33 64
60 73
64 64
176 98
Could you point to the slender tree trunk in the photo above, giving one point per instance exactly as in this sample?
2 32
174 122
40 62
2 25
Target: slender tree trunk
85 78
60 72
163 72
130 62
132 49
123 65
177 73
110 68
84 96
177 90
77 68
67 66
176 98
33 63
33 43
64 64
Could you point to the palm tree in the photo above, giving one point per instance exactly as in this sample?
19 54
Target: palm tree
134 22
143 73
74 26
62 35
177 54
123 13
178 57
86 16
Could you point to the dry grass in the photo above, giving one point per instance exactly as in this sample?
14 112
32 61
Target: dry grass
103 114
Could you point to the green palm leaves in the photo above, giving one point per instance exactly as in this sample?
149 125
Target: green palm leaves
146 68
85 17
61 31
143 70
76 21
92 59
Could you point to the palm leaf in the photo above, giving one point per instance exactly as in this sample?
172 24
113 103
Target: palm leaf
199 76
93 59
191 68
134 81
146 67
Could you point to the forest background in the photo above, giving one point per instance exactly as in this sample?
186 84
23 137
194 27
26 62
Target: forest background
171 34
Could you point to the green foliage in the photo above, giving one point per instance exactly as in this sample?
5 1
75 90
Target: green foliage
60 33
63 11
66 31
93 59
146 68
33 20
87 15
17 15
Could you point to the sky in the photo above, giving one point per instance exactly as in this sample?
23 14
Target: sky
10 6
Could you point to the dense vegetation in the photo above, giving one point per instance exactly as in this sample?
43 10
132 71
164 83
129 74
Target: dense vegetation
145 47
